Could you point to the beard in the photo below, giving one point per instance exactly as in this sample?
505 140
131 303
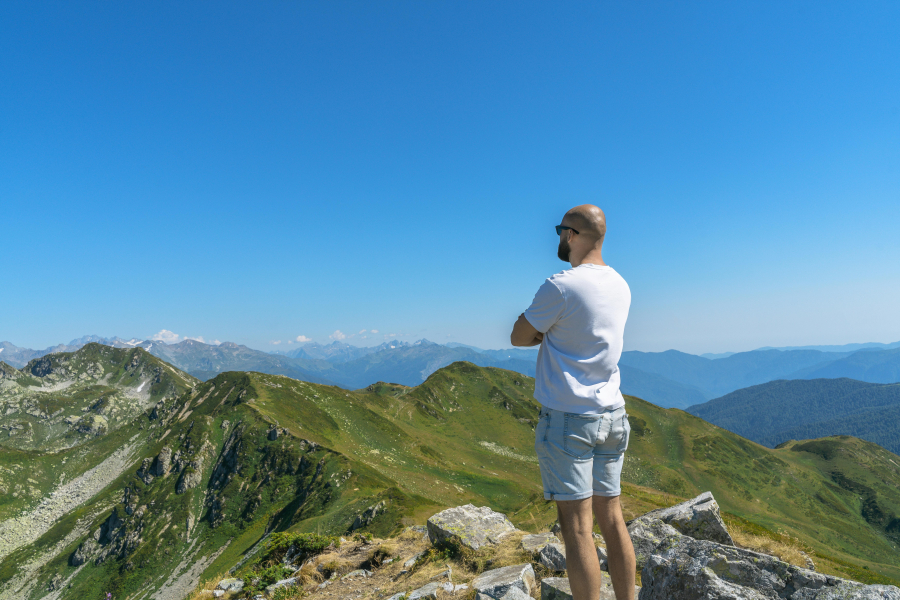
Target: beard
563 251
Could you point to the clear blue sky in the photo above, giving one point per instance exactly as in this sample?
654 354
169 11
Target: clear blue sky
259 171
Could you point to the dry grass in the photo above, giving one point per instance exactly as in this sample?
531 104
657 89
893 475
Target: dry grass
205 589
754 537
332 563
788 549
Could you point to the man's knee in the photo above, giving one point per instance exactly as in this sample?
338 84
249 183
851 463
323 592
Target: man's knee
608 511
575 517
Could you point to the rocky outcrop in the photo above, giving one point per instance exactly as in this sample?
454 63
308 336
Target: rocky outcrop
649 537
231 585
679 567
699 518
190 478
9 372
227 466
471 526
144 473
497 582
557 588
553 556
163 463
533 542
92 424
366 517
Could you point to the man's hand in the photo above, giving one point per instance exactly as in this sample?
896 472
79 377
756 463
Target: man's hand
524 334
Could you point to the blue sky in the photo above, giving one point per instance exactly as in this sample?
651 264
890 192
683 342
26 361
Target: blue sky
256 172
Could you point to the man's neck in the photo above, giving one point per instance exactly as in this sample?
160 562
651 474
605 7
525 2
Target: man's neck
594 257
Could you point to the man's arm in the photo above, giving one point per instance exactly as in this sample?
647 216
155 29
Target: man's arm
524 333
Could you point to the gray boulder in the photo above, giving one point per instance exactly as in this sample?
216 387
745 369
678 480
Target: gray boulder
651 536
557 588
683 568
471 526
698 518
535 541
497 582
284 583
231 585
429 591
603 558
515 593
553 556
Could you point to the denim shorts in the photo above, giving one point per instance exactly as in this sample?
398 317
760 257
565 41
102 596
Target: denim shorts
581 455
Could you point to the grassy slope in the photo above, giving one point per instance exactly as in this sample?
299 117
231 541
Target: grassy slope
465 435
785 489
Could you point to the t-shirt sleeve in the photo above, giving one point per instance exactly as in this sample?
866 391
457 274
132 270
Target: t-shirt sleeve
546 308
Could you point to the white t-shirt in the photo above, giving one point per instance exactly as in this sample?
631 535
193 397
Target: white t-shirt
582 313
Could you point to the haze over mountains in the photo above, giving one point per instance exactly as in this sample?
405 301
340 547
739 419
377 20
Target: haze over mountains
670 379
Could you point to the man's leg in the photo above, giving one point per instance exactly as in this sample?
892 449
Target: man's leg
619 549
576 525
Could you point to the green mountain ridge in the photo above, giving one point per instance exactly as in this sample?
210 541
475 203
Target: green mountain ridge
190 487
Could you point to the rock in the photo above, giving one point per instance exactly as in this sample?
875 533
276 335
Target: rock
553 556
429 591
144 473
92 425
448 575
190 477
557 588
496 582
515 593
366 518
698 518
356 574
684 568
651 536
273 434
809 562
603 558
218 593
87 550
535 541
55 582
408 564
163 463
469 525
556 529
231 585
289 582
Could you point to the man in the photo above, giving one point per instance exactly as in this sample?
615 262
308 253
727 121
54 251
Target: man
578 317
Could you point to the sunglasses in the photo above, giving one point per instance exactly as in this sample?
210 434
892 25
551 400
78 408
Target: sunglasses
559 229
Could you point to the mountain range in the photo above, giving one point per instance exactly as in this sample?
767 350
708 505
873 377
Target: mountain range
192 479
671 379
778 411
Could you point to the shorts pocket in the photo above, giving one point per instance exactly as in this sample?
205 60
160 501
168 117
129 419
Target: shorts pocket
580 434
622 430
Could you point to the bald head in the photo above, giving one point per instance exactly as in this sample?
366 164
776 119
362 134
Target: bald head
588 220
